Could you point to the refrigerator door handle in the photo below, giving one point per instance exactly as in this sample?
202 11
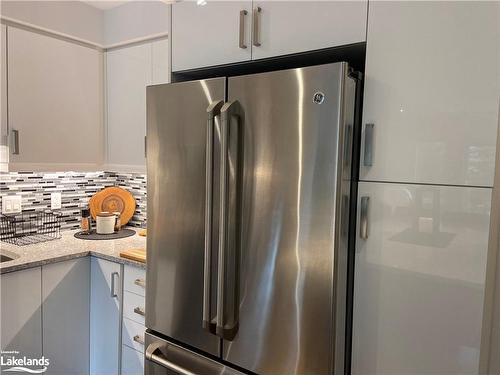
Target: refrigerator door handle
152 355
213 110
227 314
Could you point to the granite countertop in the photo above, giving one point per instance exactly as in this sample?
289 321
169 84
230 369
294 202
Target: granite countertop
69 247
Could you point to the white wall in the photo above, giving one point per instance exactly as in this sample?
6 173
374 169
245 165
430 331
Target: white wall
137 19
74 18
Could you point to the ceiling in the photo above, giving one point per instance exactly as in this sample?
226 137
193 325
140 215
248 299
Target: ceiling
105 4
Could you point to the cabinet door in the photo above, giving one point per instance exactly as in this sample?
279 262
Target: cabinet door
129 71
432 83
105 317
66 309
55 95
207 35
286 27
21 317
419 279
132 361
160 62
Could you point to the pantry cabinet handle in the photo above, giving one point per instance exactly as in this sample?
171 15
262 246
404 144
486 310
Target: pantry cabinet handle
140 282
138 339
113 284
256 26
368 146
242 44
15 142
145 146
139 311
363 220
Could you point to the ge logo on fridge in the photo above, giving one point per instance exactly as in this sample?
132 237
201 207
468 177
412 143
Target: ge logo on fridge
318 97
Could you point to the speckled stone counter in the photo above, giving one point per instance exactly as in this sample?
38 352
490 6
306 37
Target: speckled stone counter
68 247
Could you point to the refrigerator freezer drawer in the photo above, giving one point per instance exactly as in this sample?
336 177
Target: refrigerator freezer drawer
163 357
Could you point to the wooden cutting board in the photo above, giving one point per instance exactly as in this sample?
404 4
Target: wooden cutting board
139 255
113 199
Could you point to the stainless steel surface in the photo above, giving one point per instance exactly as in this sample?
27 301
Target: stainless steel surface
139 310
138 339
176 129
140 282
227 318
293 250
15 141
256 26
363 218
114 293
243 14
213 110
368 148
164 357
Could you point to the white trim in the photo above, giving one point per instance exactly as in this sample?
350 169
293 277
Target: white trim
69 38
54 167
125 168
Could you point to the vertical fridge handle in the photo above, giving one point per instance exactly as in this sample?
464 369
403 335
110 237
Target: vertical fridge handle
363 219
226 326
213 110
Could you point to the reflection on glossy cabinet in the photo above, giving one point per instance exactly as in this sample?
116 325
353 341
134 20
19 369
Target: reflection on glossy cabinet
286 27
419 279
209 35
21 317
432 84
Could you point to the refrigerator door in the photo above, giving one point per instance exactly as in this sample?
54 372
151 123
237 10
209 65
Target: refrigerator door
177 126
295 127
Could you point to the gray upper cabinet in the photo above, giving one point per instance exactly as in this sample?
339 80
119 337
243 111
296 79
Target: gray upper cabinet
55 103
128 71
432 83
208 35
221 32
284 27
4 150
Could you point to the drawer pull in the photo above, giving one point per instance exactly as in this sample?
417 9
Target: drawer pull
140 282
139 339
139 311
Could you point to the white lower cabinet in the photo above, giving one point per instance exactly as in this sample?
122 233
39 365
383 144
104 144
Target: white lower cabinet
21 315
66 319
419 279
132 361
105 317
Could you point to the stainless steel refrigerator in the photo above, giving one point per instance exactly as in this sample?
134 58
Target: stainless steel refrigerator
248 205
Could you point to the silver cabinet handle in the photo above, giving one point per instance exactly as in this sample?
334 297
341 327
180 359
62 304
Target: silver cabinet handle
114 294
242 44
227 316
15 142
140 282
145 146
140 311
256 26
153 354
368 147
213 110
139 339
363 220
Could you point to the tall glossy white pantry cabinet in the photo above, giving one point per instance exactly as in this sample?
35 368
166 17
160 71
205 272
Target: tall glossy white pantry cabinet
430 125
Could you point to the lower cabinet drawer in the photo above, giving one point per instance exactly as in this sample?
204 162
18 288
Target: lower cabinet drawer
134 307
134 280
133 334
132 361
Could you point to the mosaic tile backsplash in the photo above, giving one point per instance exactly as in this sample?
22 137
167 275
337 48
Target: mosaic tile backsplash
75 188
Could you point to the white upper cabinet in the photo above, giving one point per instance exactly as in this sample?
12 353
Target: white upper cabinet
207 35
284 27
432 85
128 71
55 100
419 279
4 150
